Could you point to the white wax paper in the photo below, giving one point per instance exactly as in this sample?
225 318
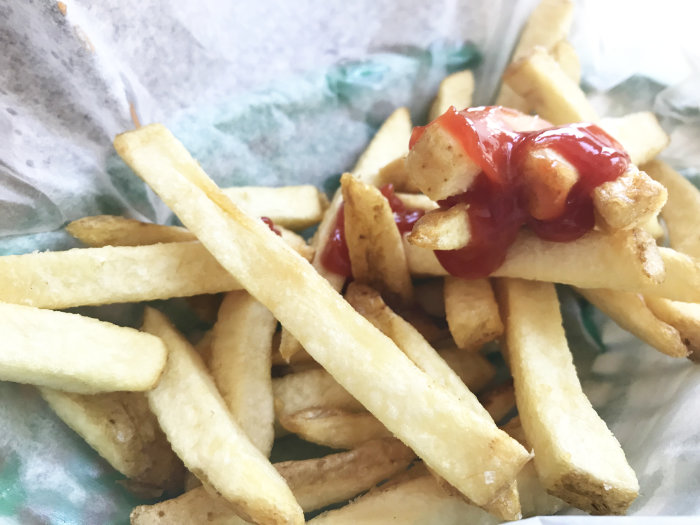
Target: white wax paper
271 92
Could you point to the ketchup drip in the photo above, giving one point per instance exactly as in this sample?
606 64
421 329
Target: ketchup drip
497 205
271 225
335 256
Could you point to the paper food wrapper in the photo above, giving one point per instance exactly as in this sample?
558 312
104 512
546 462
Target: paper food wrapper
276 93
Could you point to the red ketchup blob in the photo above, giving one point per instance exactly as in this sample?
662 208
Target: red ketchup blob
497 205
271 225
335 256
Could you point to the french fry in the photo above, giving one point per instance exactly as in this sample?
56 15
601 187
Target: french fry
374 242
455 90
567 58
628 260
122 429
316 483
559 421
240 363
78 354
412 502
293 207
333 427
205 436
88 276
442 229
311 389
682 211
539 79
472 312
110 230
639 133
547 178
419 411
395 173
547 26
205 307
472 368
684 317
629 310
417 201
629 201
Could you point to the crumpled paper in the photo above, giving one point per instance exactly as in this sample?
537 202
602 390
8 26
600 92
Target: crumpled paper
278 93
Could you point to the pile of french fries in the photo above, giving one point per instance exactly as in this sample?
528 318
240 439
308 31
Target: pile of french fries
387 368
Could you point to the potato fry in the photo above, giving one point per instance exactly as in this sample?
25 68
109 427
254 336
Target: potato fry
110 230
333 427
123 430
472 368
395 173
455 90
577 458
87 276
374 242
547 177
472 312
631 313
684 317
73 353
630 201
316 483
639 133
206 306
547 27
539 79
293 207
442 229
240 363
311 389
424 415
430 296
628 260
417 201
567 58
682 211
205 436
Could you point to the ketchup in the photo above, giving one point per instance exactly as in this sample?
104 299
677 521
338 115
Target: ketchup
271 225
335 256
497 204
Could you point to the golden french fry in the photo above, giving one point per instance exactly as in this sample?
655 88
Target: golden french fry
205 306
630 201
415 408
684 317
417 201
316 483
472 312
205 436
639 133
631 313
110 230
311 389
442 229
455 90
123 430
539 79
627 260
86 276
333 427
374 242
472 368
559 421
439 166
547 177
682 211
547 26
289 346
293 207
240 363
567 58
73 353
395 173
